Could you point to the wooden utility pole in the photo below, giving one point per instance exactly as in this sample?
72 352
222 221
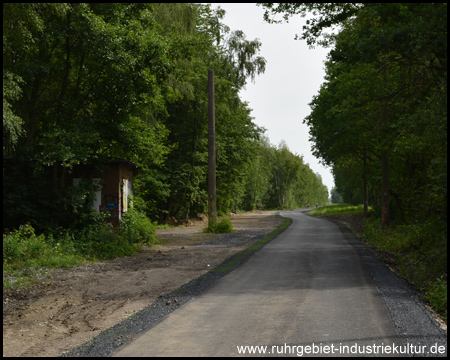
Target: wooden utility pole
212 200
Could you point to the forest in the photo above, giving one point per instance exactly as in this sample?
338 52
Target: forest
380 121
86 83
380 118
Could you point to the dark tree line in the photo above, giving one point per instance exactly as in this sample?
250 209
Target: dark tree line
84 83
380 118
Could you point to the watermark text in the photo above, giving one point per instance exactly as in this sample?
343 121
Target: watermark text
343 349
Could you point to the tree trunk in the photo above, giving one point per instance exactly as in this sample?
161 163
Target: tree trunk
212 196
384 189
366 195
188 207
169 204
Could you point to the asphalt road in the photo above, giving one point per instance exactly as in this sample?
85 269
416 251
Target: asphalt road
306 291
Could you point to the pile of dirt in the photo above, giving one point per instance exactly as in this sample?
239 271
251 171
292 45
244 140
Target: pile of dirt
70 307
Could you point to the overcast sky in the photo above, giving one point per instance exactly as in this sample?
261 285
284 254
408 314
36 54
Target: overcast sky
280 97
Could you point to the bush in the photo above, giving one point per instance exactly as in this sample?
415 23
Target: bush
220 213
23 248
223 227
135 227
23 244
103 242
93 238
97 238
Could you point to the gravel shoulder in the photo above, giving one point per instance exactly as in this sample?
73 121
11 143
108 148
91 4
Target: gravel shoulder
71 307
416 323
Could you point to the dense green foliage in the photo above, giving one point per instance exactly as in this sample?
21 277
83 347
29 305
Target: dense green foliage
380 121
24 252
384 99
87 83
83 85
23 247
135 227
279 179
437 296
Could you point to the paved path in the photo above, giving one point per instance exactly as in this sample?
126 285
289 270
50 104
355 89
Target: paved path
307 286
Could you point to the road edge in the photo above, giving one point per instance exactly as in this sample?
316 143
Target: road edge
108 341
406 309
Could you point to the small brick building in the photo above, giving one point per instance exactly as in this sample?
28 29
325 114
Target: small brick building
115 186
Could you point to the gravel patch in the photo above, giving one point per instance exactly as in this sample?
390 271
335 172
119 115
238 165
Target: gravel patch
109 340
234 239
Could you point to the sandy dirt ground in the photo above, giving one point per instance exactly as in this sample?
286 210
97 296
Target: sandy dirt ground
69 307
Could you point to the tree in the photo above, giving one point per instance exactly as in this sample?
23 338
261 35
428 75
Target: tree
195 48
89 77
335 196
387 63
326 15
292 183
285 168
257 182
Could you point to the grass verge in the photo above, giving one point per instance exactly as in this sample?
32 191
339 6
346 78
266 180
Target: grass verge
418 253
237 258
339 209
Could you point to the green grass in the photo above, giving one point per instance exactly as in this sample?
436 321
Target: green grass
437 296
339 209
418 253
26 254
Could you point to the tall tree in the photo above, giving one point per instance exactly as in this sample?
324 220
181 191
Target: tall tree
206 44
387 63
90 83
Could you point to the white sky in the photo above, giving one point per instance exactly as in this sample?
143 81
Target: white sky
280 97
